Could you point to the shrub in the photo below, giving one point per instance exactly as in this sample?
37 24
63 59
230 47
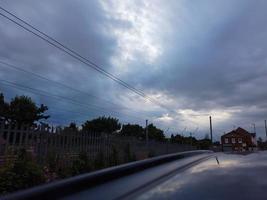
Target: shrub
21 174
81 165
114 157
99 162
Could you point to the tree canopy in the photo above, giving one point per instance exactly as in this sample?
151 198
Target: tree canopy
22 110
134 130
4 107
102 124
72 127
155 133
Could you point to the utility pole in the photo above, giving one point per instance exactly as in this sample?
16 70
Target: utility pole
210 130
146 133
254 126
265 128
191 140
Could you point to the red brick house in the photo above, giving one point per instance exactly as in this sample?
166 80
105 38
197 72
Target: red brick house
238 140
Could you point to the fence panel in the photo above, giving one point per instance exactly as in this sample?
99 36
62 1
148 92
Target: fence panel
67 144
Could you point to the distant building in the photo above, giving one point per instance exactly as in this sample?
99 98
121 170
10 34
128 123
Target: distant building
238 140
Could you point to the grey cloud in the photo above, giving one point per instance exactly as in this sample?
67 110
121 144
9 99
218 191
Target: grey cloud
218 63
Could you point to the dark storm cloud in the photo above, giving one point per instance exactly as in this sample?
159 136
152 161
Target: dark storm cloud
227 71
80 26
209 56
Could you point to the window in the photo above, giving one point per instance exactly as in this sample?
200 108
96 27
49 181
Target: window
226 140
233 140
240 140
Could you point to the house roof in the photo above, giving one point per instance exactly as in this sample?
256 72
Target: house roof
229 134
241 131
237 132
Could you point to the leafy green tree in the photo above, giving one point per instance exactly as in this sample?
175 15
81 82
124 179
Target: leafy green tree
155 133
179 139
4 108
172 138
23 110
133 130
72 127
204 144
184 140
102 124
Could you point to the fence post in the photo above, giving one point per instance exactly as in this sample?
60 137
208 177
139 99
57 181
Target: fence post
2 127
7 137
26 136
14 135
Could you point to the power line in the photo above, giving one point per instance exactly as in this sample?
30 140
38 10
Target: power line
75 119
77 56
5 64
100 70
59 110
72 101
70 111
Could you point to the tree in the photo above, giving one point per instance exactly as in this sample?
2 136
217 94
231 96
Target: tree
204 143
23 110
102 124
4 108
172 138
178 139
155 133
72 127
133 130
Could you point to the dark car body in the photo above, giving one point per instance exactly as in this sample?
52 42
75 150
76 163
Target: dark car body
203 175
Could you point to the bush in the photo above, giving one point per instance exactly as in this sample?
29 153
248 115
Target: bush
128 156
21 174
81 165
151 154
99 162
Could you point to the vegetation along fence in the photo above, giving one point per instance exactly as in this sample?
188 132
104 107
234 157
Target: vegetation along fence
67 144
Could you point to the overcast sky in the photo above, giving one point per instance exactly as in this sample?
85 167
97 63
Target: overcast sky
198 58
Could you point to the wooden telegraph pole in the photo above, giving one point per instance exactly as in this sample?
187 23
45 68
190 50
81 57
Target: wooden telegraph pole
146 133
210 130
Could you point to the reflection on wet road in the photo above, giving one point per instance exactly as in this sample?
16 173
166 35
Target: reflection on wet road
229 177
